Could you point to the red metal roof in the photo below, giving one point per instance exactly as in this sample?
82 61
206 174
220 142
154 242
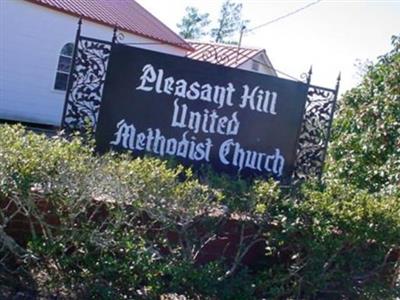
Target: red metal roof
128 15
227 55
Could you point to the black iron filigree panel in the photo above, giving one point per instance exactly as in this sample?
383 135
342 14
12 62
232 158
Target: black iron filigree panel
315 132
86 86
212 54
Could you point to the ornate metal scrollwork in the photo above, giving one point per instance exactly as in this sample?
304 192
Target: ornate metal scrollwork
88 76
306 77
219 58
314 133
118 36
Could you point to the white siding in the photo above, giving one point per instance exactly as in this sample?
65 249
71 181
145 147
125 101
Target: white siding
264 67
31 38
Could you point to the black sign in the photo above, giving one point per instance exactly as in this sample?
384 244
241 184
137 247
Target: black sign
236 121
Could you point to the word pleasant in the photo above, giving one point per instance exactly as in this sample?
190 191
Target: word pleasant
150 79
255 98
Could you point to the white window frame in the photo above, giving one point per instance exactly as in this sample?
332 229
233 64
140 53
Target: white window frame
58 71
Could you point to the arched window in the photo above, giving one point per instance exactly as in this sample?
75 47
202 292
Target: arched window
63 68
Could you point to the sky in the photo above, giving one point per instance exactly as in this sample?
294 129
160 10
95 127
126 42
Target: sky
331 35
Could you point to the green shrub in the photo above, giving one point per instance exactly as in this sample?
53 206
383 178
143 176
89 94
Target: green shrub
98 201
117 215
365 147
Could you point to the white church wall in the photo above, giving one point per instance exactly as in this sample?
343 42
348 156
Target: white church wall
31 38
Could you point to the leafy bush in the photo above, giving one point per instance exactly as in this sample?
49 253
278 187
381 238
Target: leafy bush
365 150
133 228
95 204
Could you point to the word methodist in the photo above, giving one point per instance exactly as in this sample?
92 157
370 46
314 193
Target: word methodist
236 121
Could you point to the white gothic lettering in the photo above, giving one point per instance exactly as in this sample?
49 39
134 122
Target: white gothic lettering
153 141
205 121
231 153
259 100
153 80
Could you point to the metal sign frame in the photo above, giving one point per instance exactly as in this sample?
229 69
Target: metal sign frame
85 89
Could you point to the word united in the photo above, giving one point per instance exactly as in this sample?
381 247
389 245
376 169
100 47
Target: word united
208 121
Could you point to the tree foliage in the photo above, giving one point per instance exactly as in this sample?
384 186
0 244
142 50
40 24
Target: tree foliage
194 24
230 21
365 149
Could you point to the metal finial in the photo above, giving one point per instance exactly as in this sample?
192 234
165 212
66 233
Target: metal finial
338 81
309 75
114 38
78 30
